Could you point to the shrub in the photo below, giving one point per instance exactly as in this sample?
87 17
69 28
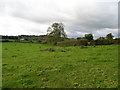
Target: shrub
101 42
117 41
67 43
53 40
82 42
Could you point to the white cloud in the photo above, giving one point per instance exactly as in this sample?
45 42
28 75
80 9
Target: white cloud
103 32
16 26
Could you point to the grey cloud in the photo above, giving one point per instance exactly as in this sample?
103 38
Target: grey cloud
78 19
90 20
104 15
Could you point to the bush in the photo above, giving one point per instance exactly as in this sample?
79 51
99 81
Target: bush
117 41
83 42
53 40
80 42
67 43
102 42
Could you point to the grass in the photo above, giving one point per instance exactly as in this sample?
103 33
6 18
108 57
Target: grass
26 65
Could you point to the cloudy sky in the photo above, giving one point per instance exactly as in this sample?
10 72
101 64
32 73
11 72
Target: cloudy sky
33 17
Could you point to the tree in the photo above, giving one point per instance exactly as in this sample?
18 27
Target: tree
89 37
56 30
55 33
109 36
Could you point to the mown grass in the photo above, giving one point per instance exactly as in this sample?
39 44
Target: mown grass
27 65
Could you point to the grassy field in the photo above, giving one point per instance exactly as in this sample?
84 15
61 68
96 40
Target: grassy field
27 65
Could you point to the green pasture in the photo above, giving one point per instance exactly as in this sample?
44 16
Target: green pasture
27 65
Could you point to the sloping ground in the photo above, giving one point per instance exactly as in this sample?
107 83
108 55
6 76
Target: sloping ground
28 65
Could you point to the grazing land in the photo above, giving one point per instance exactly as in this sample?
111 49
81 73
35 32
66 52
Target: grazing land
27 65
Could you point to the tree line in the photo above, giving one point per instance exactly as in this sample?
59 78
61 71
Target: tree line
57 36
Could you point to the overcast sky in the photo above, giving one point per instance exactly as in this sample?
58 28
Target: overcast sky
33 17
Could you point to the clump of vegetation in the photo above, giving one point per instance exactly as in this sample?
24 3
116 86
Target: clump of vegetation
101 42
67 43
5 49
55 33
14 56
76 84
44 79
4 64
73 42
89 37
63 50
48 49
82 46
49 68
83 42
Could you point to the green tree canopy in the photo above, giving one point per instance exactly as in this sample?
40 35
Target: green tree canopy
109 36
89 37
55 33
56 30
